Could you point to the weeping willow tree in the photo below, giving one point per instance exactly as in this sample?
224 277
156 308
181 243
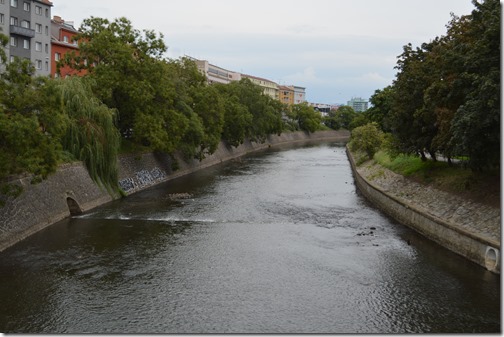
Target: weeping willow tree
91 136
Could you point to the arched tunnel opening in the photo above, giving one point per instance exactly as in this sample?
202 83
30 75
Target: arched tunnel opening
73 206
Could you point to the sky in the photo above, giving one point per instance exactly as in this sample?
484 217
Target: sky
336 49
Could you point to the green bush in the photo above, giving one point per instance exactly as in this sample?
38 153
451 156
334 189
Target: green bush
367 138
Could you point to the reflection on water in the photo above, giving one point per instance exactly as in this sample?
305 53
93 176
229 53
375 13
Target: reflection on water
278 242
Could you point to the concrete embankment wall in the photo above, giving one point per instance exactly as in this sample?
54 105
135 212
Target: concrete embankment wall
71 189
481 249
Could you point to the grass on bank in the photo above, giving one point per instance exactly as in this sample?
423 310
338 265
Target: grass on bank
479 186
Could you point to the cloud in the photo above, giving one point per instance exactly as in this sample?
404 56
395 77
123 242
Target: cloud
336 48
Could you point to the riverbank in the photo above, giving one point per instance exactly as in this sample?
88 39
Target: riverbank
466 227
71 191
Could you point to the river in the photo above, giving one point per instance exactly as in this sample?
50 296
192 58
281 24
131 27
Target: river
276 242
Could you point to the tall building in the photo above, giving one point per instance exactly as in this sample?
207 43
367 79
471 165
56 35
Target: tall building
27 24
62 33
358 104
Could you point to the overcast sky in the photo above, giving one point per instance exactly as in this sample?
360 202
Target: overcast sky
337 49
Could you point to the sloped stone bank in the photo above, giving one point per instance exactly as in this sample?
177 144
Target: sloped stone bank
71 190
467 228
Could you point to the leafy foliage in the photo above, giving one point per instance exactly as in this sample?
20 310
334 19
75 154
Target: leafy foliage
446 95
306 117
91 135
367 138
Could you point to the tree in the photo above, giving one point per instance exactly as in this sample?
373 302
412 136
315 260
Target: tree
126 65
367 138
306 117
476 125
30 125
381 105
237 118
209 106
331 120
344 116
266 112
91 135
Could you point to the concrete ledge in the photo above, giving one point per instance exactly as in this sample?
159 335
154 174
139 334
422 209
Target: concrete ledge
477 248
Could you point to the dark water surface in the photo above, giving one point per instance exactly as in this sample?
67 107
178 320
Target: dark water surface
279 242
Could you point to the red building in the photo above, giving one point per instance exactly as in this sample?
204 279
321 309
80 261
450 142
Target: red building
61 43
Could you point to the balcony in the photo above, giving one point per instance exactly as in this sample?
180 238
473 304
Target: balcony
22 31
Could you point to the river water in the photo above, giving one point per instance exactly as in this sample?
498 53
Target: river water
277 242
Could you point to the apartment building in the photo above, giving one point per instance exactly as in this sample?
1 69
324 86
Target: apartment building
299 95
270 88
26 23
358 104
4 21
62 34
286 94
216 74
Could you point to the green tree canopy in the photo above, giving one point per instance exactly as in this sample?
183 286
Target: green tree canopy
306 117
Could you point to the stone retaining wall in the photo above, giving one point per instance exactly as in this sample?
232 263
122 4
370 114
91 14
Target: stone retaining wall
475 235
71 188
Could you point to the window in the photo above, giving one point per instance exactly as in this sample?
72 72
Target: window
46 30
46 65
26 44
47 12
38 64
57 56
2 18
26 6
12 58
38 28
47 48
25 24
13 21
38 46
65 39
38 10
14 3
13 41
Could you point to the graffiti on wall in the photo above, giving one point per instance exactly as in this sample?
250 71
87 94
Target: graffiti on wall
142 179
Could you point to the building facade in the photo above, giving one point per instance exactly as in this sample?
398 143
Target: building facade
299 95
358 104
62 34
4 22
27 25
286 94
270 88
216 74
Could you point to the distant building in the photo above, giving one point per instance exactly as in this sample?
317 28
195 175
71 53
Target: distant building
324 109
358 104
216 74
286 94
270 88
62 33
299 95
27 24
